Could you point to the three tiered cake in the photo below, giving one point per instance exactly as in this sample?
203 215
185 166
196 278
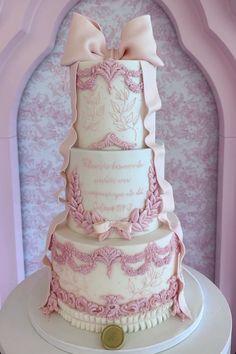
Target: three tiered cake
117 250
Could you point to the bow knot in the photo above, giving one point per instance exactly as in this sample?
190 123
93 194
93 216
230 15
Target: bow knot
112 53
86 42
124 228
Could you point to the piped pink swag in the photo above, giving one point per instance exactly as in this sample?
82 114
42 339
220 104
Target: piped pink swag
87 42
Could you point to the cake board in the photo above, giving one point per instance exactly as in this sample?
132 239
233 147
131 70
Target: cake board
59 333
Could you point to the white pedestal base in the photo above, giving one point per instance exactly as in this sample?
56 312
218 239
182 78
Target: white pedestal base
58 332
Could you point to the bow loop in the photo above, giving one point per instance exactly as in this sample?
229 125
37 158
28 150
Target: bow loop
86 42
137 41
124 228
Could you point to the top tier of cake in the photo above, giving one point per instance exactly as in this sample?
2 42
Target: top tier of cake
110 105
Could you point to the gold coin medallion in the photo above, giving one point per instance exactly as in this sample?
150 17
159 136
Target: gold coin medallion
112 337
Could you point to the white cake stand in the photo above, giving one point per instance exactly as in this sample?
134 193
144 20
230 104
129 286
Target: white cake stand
58 332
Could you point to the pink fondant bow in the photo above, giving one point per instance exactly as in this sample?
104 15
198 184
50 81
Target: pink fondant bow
124 228
87 42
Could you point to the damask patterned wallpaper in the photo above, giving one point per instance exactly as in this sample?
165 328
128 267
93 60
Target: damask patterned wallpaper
187 123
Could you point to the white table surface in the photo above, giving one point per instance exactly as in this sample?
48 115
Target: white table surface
213 336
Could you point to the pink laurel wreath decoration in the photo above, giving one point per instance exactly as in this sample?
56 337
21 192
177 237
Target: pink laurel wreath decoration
111 139
83 218
109 69
113 309
83 262
139 219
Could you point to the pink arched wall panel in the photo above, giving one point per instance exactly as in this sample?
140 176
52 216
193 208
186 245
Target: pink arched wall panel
211 46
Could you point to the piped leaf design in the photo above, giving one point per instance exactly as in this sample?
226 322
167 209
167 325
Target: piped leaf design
122 111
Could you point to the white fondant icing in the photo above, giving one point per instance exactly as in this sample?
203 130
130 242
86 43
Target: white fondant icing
112 183
118 111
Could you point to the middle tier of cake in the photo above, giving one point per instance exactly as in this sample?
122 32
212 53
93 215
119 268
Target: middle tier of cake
112 193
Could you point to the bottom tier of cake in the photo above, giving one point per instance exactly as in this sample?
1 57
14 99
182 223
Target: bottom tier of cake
133 284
